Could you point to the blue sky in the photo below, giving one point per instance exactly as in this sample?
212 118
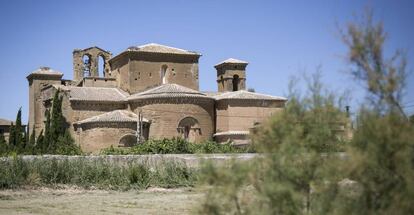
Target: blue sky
278 38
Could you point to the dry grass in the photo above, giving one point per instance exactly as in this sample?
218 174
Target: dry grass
72 200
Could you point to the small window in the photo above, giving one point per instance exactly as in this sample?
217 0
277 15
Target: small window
136 79
150 74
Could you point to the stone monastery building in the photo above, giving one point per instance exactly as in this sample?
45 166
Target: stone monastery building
149 91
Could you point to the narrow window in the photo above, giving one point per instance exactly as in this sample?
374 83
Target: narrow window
164 74
235 82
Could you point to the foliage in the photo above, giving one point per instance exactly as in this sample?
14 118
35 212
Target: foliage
4 147
16 172
384 78
55 139
381 153
16 140
302 173
280 181
175 146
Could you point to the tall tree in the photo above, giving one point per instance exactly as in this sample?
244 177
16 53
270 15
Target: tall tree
381 152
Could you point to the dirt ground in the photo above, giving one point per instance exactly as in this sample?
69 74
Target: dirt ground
80 201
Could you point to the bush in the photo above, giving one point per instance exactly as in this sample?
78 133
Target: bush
177 146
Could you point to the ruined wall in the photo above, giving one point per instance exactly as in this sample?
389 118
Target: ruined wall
165 117
93 53
99 82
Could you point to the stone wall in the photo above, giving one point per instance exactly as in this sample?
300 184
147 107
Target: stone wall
191 160
137 72
98 138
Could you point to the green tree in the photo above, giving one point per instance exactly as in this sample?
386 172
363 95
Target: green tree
41 146
31 144
299 143
12 136
4 149
56 139
381 152
46 140
16 138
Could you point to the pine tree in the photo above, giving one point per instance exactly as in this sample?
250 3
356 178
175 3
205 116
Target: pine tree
12 136
40 147
31 144
16 138
46 138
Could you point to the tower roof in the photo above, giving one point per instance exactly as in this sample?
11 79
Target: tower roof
45 71
232 61
158 48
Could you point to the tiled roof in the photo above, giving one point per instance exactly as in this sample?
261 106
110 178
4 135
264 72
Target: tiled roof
243 94
45 71
113 116
168 91
232 133
5 122
98 94
232 61
157 48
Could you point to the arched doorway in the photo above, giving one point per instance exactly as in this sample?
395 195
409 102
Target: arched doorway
189 129
235 82
128 140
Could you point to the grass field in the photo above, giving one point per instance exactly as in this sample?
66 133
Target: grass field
81 201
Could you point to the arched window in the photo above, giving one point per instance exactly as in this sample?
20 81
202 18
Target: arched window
101 66
189 129
235 82
164 74
86 59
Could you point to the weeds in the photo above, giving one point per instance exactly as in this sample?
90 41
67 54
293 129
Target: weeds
100 174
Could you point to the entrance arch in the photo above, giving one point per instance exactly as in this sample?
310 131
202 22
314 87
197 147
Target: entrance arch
128 140
189 129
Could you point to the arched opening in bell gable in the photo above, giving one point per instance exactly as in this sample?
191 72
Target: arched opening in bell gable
86 67
101 66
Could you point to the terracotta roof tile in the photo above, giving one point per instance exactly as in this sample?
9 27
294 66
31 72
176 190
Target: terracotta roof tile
99 94
232 133
5 122
168 91
113 116
232 61
243 94
157 48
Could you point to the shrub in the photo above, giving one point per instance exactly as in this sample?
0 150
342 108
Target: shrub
177 146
